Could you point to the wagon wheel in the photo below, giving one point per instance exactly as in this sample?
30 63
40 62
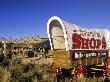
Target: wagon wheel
80 69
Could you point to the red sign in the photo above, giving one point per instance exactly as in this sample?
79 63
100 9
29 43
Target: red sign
79 42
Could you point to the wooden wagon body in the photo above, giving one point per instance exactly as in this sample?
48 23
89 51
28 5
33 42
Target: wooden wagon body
72 45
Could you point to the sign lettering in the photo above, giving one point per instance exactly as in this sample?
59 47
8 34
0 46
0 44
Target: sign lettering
79 42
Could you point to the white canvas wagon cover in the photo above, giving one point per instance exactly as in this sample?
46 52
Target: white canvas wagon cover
60 34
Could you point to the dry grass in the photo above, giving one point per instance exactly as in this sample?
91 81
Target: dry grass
16 71
34 70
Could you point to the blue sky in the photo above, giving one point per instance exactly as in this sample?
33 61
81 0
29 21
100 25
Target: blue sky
20 18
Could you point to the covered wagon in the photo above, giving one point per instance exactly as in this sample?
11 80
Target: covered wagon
73 45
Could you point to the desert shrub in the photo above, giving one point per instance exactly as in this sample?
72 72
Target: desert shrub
15 63
25 78
18 61
29 72
48 77
6 63
9 55
12 80
39 76
2 70
23 72
45 73
16 73
2 58
16 70
28 67
45 68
